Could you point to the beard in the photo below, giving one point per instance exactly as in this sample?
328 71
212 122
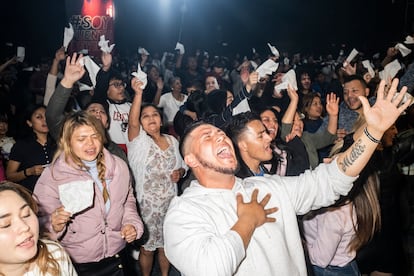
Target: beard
215 168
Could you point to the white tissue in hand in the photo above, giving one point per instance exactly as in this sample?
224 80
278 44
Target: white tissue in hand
390 70
267 68
367 64
351 56
288 79
143 51
92 68
273 49
142 76
21 52
68 36
409 40
76 196
403 50
103 45
180 48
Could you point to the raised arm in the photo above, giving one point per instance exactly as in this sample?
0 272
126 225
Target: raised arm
134 113
102 79
379 118
52 76
293 105
55 109
332 108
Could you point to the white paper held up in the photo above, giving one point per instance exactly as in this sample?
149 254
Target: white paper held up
351 56
403 50
367 64
243 106
409 40
288 79
390 70
92 68
68 36
104 45
142 76
273 49
76 196
143 51
21 52
180 48
267 68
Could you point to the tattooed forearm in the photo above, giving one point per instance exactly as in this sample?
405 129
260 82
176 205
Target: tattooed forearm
357 149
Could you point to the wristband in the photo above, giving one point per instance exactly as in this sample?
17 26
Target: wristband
24 172
370 137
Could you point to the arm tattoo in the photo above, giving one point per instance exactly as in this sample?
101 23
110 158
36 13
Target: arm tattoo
357 149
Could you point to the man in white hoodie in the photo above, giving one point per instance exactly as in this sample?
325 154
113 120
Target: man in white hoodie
223 225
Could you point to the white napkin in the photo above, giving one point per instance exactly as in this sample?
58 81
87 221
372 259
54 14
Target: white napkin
288 79
390 70
92 68
267 68
273 50
76 196
141 75
409 40
68 36
180 48
406 97
21 52
243 106
403 50
286 61
143 51
104 45
351 56
84 87
367 64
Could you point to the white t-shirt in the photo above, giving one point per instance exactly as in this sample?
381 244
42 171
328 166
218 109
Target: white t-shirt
170 105
118 128
62 258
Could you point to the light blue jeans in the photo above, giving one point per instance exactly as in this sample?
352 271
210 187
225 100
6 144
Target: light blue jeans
351 269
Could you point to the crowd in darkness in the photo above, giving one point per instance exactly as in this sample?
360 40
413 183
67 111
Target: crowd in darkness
119 127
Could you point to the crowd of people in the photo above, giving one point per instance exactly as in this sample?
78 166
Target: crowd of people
203 165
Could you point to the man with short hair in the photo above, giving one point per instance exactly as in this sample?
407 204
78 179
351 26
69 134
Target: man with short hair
223 225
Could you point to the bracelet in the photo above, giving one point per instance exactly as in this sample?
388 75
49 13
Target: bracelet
25 174
370 137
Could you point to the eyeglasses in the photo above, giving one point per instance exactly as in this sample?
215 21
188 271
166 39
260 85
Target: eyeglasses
118 84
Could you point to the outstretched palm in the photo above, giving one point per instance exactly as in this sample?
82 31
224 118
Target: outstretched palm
386 108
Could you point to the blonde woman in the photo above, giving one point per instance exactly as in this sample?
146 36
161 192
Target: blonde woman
95 238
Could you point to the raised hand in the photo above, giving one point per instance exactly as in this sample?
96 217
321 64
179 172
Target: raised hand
252 81
332 104
60 54
386 109
106 61
136 86
74 70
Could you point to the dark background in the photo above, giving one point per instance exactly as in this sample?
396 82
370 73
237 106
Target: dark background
318 26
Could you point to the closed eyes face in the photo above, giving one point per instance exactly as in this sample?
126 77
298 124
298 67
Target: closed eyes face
213 149
19 230
86 143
